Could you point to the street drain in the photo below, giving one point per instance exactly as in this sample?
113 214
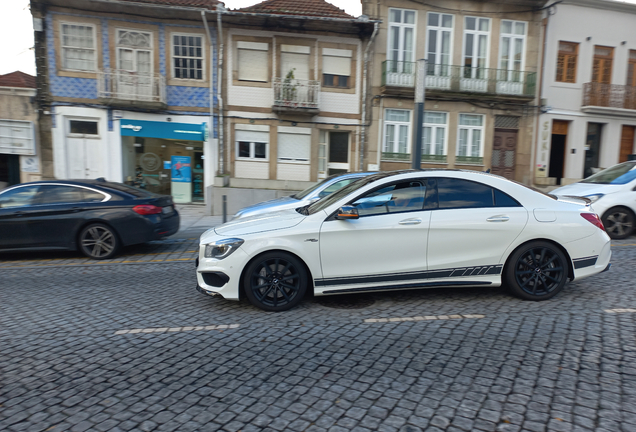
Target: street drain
346 301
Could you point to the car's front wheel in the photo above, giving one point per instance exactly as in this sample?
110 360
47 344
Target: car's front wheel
275 281
618 222
536 271
98 241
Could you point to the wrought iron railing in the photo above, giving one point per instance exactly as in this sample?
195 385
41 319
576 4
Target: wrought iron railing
132 86
294 93
609 95
469 160
387 156
461 78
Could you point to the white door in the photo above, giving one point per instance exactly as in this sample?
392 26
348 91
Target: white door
467 216
83 149
386 245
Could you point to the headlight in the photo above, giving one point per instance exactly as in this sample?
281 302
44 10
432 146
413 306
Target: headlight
595 197
222 248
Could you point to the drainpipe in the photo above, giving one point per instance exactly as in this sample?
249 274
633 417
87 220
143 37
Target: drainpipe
219 66
364 97
207 31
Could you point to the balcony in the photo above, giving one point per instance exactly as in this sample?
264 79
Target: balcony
609 99
296 96
406 157
123 89
399 78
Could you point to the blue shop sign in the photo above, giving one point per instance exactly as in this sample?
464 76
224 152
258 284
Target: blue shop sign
181 169
167 130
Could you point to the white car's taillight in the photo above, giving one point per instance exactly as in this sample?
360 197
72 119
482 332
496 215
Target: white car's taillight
593 219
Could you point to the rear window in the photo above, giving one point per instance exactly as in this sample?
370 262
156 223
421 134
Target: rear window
131 190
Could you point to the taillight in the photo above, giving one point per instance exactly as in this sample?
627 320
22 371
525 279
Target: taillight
593 219
146 209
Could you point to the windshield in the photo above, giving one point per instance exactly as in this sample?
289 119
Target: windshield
341 193
310 189
618 174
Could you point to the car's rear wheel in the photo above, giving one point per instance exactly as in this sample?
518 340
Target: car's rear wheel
275 281
98 241
618 222
536 271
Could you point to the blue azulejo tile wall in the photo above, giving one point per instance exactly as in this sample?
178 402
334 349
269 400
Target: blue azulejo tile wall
188 96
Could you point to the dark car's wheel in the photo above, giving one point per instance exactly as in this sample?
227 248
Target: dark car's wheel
618 222
536 271
98 241
275 281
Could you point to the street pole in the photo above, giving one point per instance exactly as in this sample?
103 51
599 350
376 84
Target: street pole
420 94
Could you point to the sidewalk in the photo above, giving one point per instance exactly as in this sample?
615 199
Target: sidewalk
193 219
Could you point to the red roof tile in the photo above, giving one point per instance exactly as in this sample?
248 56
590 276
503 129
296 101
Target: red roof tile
17 79
205 4
316 8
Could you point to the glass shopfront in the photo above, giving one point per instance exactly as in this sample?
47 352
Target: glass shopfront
164 165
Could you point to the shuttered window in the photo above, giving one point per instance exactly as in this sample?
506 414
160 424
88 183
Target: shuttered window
251 144
253 61
336 67
294 147
566 62
294 62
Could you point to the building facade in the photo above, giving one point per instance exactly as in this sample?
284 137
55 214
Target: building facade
481 70
127 91
588 90
20 153
292 89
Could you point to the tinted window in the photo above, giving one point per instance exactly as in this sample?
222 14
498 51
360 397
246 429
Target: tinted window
89 195
504 200
83 127
401 197
18 197
55 194
457 193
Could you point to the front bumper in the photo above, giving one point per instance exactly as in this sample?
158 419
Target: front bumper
225 274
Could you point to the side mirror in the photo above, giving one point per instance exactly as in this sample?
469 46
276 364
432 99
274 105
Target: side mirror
347 212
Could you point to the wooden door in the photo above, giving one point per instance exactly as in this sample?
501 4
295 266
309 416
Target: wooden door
627 143
504 149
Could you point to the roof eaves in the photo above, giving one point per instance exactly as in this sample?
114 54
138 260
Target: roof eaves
308 17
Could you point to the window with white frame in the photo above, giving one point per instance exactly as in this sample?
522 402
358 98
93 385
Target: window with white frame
78 47
253 61
401 40
470 138
187 56
294 144
336 67
397 125
434 135
512 49
251 145
476 35
439 31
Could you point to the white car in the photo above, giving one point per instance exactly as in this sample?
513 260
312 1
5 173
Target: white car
613 195
403 230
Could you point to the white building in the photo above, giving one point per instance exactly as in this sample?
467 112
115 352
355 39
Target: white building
588 90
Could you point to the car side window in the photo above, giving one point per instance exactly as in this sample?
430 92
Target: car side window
19 197
334 187
89 195
504 200
401 197
458 193
57 194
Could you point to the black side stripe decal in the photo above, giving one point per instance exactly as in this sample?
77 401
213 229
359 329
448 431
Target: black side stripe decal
585 262
432 274
407 286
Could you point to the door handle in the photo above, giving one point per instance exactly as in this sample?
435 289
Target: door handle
501 218
19 213
75 209
412 221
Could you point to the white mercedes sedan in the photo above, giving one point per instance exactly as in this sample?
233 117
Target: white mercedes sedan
404 230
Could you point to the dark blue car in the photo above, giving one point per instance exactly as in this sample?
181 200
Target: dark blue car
96 217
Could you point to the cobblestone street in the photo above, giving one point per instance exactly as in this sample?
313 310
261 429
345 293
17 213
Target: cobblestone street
130 345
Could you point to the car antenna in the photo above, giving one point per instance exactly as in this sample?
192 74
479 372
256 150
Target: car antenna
101 179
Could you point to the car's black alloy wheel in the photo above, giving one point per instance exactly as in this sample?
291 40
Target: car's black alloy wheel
537 271
98 241
275 281
618 222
